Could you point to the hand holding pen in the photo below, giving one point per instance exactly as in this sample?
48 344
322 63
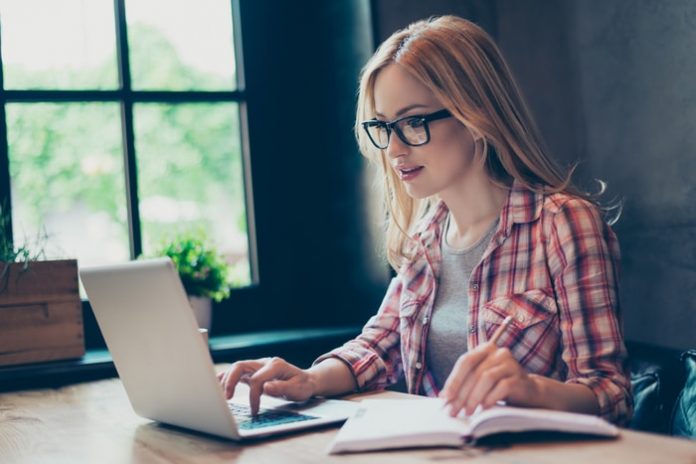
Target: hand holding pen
500 330
488 374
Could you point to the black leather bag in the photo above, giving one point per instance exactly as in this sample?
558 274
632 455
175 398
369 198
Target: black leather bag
656 379
649 413
684 415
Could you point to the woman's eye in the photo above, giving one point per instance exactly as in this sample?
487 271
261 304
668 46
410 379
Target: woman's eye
414 122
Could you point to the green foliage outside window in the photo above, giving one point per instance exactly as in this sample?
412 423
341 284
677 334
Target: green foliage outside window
53 169
44 147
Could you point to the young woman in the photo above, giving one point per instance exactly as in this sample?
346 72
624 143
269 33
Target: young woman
482 225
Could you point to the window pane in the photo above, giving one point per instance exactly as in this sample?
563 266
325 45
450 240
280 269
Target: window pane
181 45
70 44
190 177
66 167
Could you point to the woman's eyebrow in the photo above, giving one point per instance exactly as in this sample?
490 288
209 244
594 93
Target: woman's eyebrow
403 110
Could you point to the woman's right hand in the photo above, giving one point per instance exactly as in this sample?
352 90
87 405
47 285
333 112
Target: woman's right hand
272 376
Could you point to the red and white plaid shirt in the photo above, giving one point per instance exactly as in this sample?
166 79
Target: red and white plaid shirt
552 264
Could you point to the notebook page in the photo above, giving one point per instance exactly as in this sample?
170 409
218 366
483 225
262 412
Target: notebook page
512 419
395 423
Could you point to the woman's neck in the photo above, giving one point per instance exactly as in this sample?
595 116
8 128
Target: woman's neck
473 208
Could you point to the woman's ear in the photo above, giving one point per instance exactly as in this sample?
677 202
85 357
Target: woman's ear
480 148
480 145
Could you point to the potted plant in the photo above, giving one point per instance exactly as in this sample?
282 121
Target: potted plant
40 307
203 272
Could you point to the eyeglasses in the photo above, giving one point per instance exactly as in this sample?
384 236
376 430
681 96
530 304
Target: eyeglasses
412 130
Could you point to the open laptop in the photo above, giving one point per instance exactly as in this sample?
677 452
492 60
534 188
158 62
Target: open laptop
164 363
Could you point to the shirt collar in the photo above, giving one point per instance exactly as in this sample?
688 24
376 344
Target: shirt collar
521 206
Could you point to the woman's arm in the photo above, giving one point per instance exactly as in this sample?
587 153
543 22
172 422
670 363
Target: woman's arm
331 377
370 361
374 356
583 259
565 396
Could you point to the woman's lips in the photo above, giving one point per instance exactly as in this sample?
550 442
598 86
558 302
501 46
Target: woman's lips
411 173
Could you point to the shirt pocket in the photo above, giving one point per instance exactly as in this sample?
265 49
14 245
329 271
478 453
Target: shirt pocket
533 335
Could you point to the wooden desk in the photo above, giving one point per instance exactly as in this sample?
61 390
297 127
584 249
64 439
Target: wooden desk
94 423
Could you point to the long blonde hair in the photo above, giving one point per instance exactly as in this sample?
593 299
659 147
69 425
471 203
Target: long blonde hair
466 72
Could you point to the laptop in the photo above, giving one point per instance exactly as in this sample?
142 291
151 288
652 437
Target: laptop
164 362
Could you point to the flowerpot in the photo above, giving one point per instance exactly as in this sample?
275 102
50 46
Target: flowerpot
203 310
40 312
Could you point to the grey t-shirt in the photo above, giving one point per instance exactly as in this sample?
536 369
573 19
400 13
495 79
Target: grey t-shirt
447 334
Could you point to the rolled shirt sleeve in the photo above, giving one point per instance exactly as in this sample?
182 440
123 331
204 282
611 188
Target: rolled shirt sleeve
583 260
374 357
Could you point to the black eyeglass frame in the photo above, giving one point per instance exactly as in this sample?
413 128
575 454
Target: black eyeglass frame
393 126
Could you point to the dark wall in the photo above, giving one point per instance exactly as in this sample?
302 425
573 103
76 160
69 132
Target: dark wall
391 15
612 86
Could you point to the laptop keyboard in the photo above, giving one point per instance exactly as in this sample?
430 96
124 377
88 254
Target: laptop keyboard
265 418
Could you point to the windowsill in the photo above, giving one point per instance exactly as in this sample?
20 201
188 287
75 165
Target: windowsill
296 345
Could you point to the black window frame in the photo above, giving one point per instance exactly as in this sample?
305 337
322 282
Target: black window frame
127 97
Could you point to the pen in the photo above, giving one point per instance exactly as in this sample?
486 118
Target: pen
501 330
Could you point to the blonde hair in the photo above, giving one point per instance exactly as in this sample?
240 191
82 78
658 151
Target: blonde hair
462 66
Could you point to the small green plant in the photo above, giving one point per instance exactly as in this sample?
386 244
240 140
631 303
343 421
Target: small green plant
202 269
9 253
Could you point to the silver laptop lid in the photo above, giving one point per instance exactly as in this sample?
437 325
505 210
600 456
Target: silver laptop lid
143 312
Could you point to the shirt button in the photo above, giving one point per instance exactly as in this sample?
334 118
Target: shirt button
472 329
425 319
419 366
474 286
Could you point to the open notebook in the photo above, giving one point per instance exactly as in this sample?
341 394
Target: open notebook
394 423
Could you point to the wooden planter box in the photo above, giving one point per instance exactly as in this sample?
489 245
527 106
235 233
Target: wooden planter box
40 313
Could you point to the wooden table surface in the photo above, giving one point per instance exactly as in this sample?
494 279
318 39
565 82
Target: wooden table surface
94 423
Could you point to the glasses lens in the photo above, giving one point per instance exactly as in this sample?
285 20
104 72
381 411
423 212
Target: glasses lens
414 131
379 134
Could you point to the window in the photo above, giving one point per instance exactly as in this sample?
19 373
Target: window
123 122
122 119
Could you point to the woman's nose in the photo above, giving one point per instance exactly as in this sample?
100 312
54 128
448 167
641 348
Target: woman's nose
396 146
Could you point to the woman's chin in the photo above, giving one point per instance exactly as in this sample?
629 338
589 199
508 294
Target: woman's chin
418 194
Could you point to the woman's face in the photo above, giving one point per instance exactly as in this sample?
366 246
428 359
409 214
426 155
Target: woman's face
446 161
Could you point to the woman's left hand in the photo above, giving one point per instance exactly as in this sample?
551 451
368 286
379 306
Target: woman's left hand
486 375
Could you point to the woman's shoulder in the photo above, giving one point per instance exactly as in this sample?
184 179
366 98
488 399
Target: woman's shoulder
565 214
531 204
558 201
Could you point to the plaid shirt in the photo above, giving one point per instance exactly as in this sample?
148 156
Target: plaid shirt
552 264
